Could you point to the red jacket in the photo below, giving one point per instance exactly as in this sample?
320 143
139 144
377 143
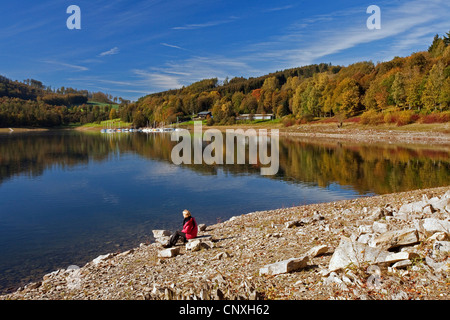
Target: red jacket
190 228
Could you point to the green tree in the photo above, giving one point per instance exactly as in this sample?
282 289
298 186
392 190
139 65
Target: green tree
433 86
348 97
398 90
112 114
414 90
444 96
446 38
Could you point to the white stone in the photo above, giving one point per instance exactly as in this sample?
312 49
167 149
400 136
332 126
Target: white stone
102 258
169 253
162 240
364 229
376 214
432 225
379 227
399 256
349 252
442 204
365 238
412 207
395 238
199 243
402 264
284 266
161 233
316 251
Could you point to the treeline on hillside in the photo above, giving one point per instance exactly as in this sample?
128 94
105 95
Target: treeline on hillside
419 83
15 112
30 103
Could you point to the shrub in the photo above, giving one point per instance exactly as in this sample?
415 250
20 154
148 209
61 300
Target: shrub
288 121
405 117
372 117
441 117
209 121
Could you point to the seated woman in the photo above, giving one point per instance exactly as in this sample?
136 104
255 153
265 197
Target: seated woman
189 231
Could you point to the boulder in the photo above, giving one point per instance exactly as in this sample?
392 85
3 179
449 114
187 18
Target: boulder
349 252
365 238
202 227
396 238
402 264
399 256
413 207
102 258
377 214
432 225
442 204
162 240
316 251
284 266
161 233
199 243
379 227
169 253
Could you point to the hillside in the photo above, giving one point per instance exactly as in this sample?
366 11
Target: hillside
401 91
32 104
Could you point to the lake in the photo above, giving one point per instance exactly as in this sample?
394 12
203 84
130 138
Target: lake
67 196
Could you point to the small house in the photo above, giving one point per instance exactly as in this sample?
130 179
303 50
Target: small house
204 114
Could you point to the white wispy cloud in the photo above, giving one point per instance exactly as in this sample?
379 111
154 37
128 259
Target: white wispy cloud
310 40
205 24
67 65
110 52
158 80
172 46
175 74
280 8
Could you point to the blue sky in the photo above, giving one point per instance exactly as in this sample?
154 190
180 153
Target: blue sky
133 48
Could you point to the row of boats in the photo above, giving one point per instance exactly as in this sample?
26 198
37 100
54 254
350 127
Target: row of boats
146 130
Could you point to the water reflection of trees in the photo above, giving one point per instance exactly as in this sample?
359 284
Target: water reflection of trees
379 168
369 167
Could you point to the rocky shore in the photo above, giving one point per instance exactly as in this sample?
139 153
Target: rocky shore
437 134
393 246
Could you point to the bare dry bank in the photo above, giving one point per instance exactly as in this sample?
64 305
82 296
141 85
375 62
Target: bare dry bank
436 134
398 249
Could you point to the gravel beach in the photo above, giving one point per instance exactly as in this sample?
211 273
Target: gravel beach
393 246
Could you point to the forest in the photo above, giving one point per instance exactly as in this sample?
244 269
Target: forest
403 90
32 104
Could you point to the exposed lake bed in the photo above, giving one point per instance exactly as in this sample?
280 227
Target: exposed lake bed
233 264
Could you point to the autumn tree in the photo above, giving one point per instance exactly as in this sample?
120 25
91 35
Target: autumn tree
398 90
433 86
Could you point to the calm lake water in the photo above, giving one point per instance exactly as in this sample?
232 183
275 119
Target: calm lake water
67 197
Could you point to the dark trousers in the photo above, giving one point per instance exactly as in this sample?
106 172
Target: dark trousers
175 236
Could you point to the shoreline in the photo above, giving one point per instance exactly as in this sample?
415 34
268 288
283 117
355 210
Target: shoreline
414 133
232 259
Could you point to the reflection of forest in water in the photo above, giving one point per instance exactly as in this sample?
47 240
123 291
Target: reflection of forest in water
378 168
